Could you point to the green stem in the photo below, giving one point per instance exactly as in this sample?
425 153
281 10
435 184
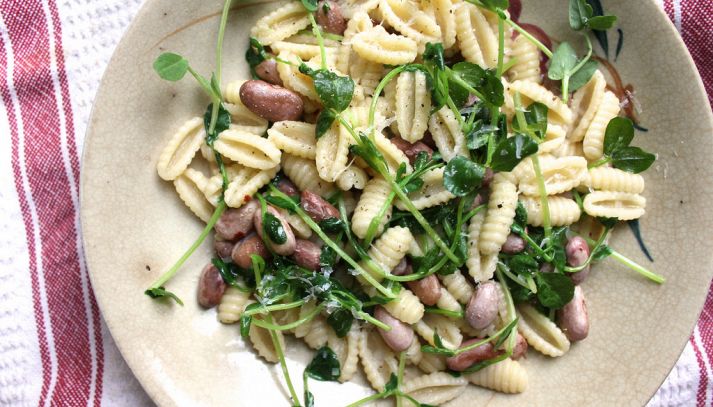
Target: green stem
533 244
632 264
283 363
511 309
599 162
204 84
599 242
291 325
365 400
529 36
374 224
276 307
544 202
318 33
512 276
501 45
464 84
375 98
441 311
208 227
452 105
368 318
221 35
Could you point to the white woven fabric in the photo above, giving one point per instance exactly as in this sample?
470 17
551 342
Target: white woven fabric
91 30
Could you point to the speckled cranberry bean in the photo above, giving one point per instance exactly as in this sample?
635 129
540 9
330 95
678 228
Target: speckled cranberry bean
236 223
427 289
400 337
573 318
466 359
316 207
329 16
513 244
307 254
271 102
251 244
483 306
267 71
210 287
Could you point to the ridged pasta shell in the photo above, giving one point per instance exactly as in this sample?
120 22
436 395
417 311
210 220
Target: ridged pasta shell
281 23
413 105
180 150
507 376
347 351
458 286
585 103
444 326
563 211
447 134
296 138
612 179
406 18
554 138
244 119
559 175
431 362
435 388
305 176
303 329
620 205
448 302
432 193
378 361
332 153
295 80
370 203
413 353
500 215
593 143
478 43
444 11
353 177
189 187
319 333
406 307
532 92
541 333
232 304
248 149
246 183
527 67
387 251
299 226
262 342
377 45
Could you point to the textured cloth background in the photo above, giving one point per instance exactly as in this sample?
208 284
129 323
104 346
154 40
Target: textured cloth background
54 347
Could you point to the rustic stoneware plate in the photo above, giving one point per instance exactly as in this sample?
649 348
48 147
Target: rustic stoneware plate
135 226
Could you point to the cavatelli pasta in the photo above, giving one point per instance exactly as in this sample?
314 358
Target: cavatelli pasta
444 326
585 103
620 205
444 11
563 211
377 45
246 184
406 307
507 376
388 250
189 187
405 17
569 148
232 304
302 330
370 203
533 92
432 193
350 8
541 333
500 215
377 359
295 80
448 302
393 155
332 153
435 388
262 342
447 134
593 144
559 174
301 229
413 105
612 179
281 23
296 138
305 176
476 39
431 362
555 136
180 150
527 55
248 149
318 333
348 354
458 286
413 353
474 259
367 73
352 177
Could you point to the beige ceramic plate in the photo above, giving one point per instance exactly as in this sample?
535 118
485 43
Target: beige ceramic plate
135 226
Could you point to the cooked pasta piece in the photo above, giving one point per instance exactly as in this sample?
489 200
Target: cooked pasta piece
350 8
346 57
332 153
559 174
444 326
367 73
444 11
569 148
527 55
555 136
393 155
533 92
180 150
377 45
593 143
612 179
248 149
245 120
347 351
406 307
447 134
541 333
352 177
413 353
296 138
387 251
507 376
302 330
448 302
585 103
246 184
563 211
435 388
261 339
431 362
500 215
189 187
476 39
232 304
299 227
370 203
620 205
474 260
405 17
318 333
305 176
281 23
295 80
432 193
413 105
377 359
458 286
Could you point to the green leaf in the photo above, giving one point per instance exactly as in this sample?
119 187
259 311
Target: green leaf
583 75
579 13
462 176
520 215
510 151
273 227
602 252
255 54
536 119
324 366
558 243
457 92
341 321
494 5
433 55
324 121
310 5
601 23
283 203
309 399
619 133
230 272
334 91
484 81
221 124
332 225
327 257
554 290
162 292
563 61
413 185
171 67
522 263
636 230
392 385
632 159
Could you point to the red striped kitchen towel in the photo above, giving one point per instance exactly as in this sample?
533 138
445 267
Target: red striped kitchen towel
54 347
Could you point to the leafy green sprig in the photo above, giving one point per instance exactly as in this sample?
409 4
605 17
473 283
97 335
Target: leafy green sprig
618 152
324 367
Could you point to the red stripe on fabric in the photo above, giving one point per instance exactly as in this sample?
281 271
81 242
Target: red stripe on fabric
697 33
74 159
27 220
50 189
702 376
668 8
